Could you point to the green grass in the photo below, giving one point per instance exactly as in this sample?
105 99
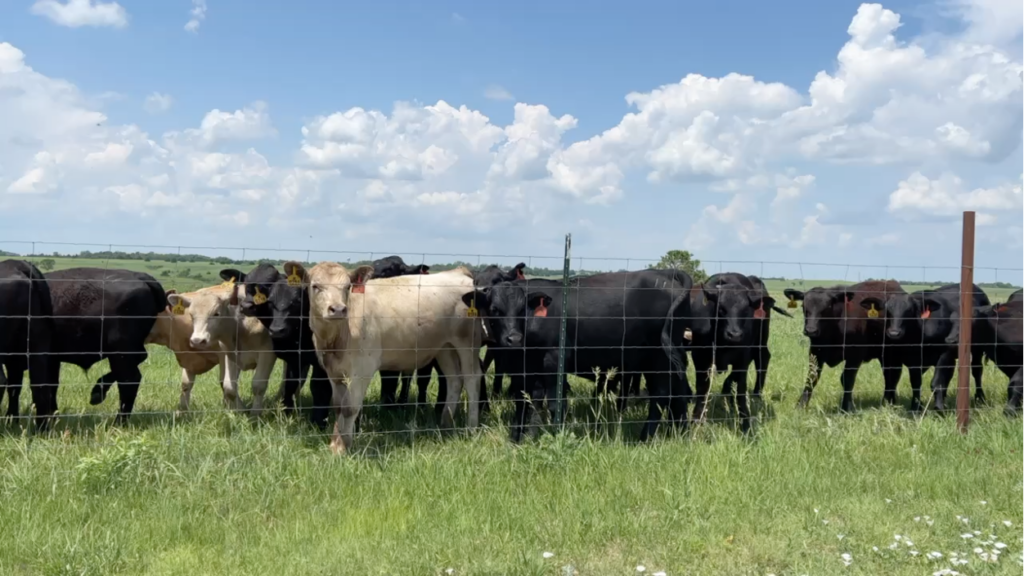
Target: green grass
218 493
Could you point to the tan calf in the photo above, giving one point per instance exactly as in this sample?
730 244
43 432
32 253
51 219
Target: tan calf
400 324
174 331
240 342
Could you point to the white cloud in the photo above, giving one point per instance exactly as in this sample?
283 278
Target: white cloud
919 196
935 100
157 103
197 15
249 123
887 239
495 92
77 13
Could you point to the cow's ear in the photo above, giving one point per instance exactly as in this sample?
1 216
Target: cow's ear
229 274
767 302
870 303
422 269
537 303
843 296
295 273
793 294
928 306
360 275
518 271
478 299
177 303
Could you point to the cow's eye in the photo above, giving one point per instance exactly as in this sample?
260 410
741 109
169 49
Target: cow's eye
317 288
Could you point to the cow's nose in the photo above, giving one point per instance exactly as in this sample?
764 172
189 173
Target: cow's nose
278 331
337 310
734 335
198 342
810 332
893 333
513 339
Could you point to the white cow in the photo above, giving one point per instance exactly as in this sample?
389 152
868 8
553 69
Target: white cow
241 342
399 324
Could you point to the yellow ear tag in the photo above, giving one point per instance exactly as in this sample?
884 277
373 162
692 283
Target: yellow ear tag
178 309
229 283
872 313
259 299
294 279
792 303
472 312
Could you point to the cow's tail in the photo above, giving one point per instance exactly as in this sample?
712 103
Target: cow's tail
676 356
159 295
781 311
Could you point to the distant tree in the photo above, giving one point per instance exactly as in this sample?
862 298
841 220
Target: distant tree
47 264
682 260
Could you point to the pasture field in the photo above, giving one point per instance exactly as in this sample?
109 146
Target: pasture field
217 493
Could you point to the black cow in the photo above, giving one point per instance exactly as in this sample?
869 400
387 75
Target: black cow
491 276
729 321
26 331
494 274
918 324
614 321
996 329
844 327
284 310
1016 296
395 266
102 313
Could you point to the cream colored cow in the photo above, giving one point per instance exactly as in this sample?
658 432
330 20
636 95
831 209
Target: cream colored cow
240 342
399 324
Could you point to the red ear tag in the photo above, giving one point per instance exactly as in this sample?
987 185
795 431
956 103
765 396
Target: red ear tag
519 274
358 287
926 314
1002 309
424 272
541 311
759 313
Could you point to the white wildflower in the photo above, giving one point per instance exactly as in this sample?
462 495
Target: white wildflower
875 548
978 550
934 555
1000 545
547 555
917 518
946 572
840 536
662 573
888 501
897 537
641 568
914 552
967 536
1007 523
847 558
983 502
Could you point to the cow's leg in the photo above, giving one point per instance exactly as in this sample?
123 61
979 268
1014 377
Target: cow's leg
742 408
422 386
469 362
658 404
941 378
321 390
350 402
891 372
261 379
12 383
977 369
485 364
293 377
485 402
1016 393
188 380
814 369
449 362
915 387
101 388
232 372
403 390
44 378
442 394
128 376
389 389
762 358
849 378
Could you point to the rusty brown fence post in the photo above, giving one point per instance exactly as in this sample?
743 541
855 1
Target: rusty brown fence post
963 369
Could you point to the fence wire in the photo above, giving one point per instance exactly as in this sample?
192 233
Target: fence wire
615 352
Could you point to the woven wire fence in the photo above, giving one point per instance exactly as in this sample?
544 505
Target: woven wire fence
402 346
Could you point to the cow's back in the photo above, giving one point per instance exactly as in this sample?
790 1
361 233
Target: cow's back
98 312
417 313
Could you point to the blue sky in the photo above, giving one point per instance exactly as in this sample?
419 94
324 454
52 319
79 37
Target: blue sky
815 132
